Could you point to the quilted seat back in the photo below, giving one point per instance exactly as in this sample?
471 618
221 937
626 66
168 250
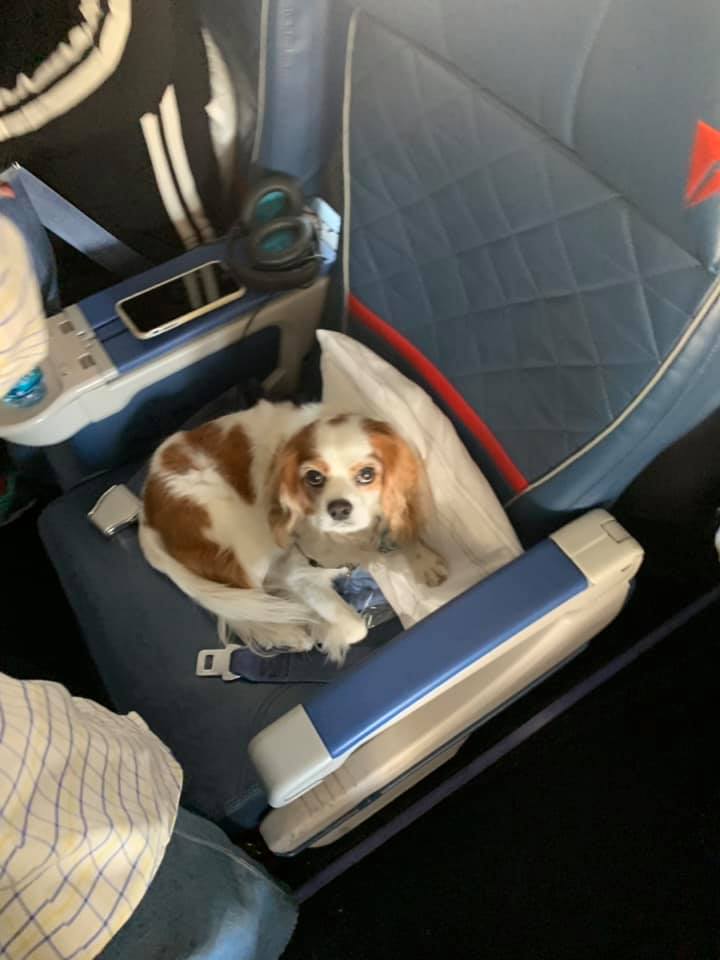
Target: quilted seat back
532 228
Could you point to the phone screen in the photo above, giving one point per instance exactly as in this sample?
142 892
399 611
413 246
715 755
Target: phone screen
193 292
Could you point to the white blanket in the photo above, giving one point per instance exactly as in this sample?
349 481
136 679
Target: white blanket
469 526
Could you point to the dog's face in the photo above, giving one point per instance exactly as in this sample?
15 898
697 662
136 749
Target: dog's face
341 474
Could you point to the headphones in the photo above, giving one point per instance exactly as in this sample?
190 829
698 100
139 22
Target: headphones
280 250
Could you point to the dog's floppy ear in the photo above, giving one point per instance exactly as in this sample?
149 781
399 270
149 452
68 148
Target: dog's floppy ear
289 500
405 493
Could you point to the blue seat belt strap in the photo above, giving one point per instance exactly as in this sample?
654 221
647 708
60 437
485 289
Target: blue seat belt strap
239 663
69 223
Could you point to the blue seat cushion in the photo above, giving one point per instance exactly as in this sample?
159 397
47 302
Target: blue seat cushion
144 636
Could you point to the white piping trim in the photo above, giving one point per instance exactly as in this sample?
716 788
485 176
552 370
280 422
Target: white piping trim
712 297
172 128
262 80
163 177
74 87
347 103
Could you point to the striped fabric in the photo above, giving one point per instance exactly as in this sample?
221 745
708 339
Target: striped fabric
88 800
149 77
23 333
81 63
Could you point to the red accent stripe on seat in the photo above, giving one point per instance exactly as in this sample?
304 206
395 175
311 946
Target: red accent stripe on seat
444 389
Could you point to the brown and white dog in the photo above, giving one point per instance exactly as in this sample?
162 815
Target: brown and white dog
234 510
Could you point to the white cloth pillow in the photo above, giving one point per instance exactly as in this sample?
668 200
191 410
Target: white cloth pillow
469 526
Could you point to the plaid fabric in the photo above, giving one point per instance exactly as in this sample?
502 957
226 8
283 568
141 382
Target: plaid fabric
88 800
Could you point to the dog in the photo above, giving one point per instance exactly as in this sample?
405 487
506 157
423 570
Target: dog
255 515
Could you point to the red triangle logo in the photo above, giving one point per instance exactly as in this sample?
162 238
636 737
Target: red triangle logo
704 177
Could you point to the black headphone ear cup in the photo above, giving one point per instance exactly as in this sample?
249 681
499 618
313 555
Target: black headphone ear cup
298 234
262 190
269 281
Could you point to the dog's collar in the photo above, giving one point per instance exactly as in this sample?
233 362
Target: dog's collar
310 560
385 544
316 563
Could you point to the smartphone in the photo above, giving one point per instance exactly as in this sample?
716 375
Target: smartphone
178 300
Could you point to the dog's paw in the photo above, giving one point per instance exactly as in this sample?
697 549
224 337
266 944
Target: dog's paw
339 637
334 647
277 638
428 567
334 574
303 642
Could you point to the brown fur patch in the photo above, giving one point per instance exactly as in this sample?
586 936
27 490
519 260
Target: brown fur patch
181 525
176 458
230 450
290 498
403 482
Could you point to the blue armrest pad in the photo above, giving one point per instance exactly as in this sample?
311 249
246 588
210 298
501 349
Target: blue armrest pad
125 350
359 703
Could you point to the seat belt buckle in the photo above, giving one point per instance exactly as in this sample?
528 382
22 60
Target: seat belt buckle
216 663
117 508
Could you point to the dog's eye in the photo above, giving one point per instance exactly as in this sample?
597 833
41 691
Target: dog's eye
366 475
313 478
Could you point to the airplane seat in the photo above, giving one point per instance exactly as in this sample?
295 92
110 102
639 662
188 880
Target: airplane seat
533 211
530 209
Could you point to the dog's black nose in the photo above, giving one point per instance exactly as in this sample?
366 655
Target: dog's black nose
339 509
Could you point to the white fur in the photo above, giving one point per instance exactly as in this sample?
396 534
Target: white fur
240 526
297 606
342 446
264 620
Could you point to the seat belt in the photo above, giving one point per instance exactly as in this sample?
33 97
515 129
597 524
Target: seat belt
66 221
238 663
118 508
